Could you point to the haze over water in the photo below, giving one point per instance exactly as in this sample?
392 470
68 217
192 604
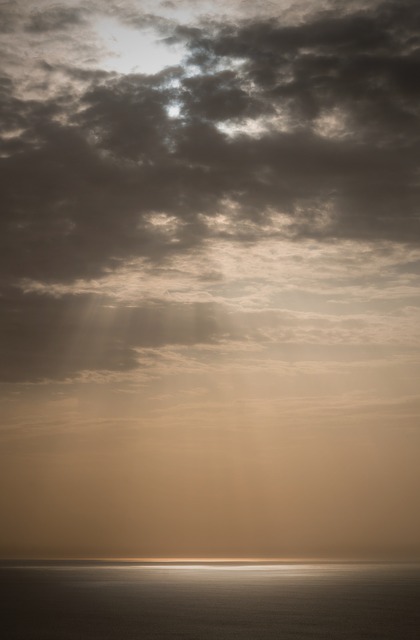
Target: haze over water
105 601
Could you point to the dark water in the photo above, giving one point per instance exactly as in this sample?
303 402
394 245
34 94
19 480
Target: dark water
198 602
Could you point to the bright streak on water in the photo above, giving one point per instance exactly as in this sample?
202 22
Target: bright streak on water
207 601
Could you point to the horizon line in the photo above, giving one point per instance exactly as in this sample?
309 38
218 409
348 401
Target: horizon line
212 560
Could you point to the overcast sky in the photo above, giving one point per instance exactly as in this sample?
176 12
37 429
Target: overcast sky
210 269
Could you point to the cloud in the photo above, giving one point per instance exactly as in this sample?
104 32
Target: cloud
45 337
55 18
290 130
115 147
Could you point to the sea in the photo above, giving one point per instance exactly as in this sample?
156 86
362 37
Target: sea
131 601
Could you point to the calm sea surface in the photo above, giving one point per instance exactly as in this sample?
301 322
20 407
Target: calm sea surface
101 602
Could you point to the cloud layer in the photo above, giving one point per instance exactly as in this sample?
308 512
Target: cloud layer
298 129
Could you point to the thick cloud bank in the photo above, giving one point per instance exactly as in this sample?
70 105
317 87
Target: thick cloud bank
306 129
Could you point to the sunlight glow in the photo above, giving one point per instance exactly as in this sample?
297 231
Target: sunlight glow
129 50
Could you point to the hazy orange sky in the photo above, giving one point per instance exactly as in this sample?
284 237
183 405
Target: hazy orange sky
210 262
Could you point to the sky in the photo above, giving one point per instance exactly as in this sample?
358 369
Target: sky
210 269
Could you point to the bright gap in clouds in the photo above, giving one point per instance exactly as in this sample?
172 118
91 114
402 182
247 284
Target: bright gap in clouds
129 50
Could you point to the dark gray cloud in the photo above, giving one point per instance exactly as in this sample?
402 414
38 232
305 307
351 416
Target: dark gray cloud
220 96
55 18
10 16
366 63
83 169
44 337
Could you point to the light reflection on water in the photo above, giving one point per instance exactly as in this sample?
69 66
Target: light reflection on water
200 601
